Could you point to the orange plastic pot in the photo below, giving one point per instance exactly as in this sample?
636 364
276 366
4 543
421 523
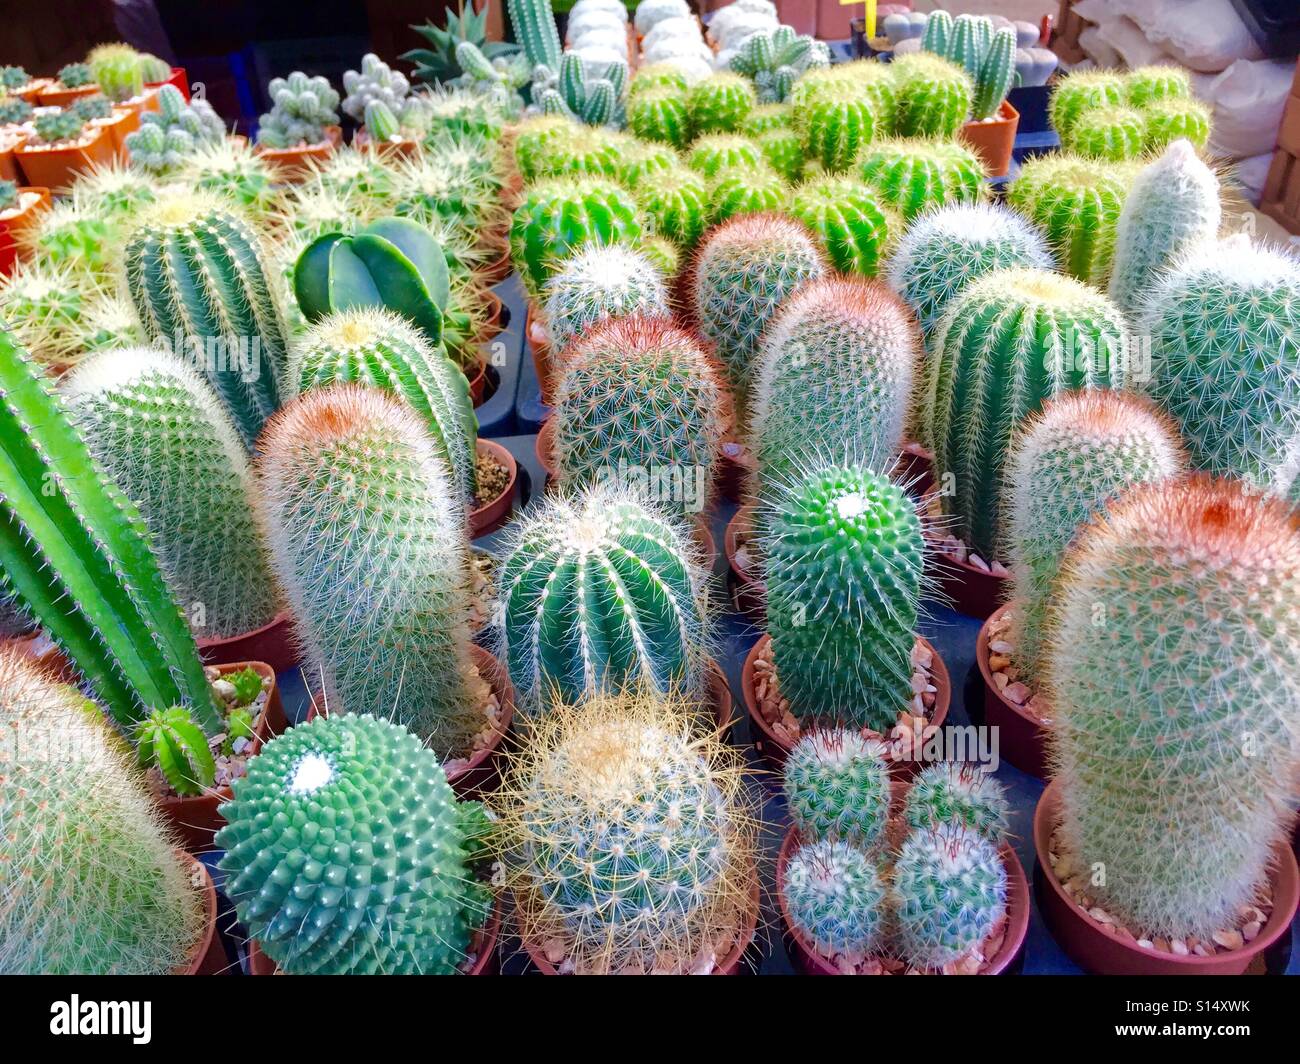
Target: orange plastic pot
55 167
123 121
13 227
10 138
295 164
993 140
57 96
177 78
33 90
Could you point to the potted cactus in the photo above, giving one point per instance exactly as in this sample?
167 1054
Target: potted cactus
302 125
165 137
14 113
15 81
118 71
158 72
19 208
74 81
61 146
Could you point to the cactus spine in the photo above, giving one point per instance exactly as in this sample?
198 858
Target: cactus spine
660 115
958 794
1077 93
676 205
599 283
720 104
850 221
1110 133
835 129
916 175
837 787
835 897
933 96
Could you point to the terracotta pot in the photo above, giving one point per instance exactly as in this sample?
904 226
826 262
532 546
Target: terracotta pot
33 90
499 268
292 165
56 168
208 956
10 137
728 965
993 140
178 78
273 643
748 591
971 591
334 134
915 470
55 95
735 467
543 362
196 818
123 121
393 150
719 698
1022 738
478 382
1101 951
483 943
774 750
495 512
13 228
480 773
809 962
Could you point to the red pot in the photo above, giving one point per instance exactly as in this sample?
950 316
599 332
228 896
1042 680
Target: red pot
273 643
971 591
12 229
208 956
1022 739
809 962
775 750
177 78
748 592
494 513
1101 951
480 773
196 818
992 141
56 168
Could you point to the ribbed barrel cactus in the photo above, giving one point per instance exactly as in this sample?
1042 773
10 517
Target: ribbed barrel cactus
784 152
961 794
660 114
836 898
1224 323
159 431
712 154
599 282
1110 133
640 159
676 204
916 175
1166 121
933 95
1173 719
850 219
1087 90
844 557
582 149
230 168
93 883
348 854
720 104
743 190
837 787
1152 84
367 537
835 129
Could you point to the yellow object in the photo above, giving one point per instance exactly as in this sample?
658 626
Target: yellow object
871 15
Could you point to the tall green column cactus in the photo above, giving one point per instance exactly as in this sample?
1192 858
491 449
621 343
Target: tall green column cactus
933 95
1009 342
199 280
367 538
676 205
76 551
1224 323
398 839
93 883
597 283
916 175
599 592
380 349
835 129
1081 451
1172 207
534 26
996 76
1173 720
159 431
720 104
835 896
844 559
1083 91
943 251
853 225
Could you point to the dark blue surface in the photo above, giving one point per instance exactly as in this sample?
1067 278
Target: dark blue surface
504 353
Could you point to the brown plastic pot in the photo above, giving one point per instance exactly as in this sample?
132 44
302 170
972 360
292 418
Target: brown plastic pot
915 469
1100 950
499 268
729 965
736 465
273 643
495 512
293 165
56 95
1022 738
13 228
543 357
208 957
774 750
971 591
993 140
196 817
478 380
748 591
393 150
477 775
56 168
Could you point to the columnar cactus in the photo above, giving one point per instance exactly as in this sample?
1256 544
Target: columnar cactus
1083 91
1009 342
1195 669
1172 207
837 787
849 219
93 882
640 398
1109 133
599 282
628 839
360 508
1081 451
1166 121
534 26
301 110
79 558
711 155
835 130
933 96
676 205
949 890
844 558
1077 203
159 431
375 81
916 175
835 897
382 350
960 794
198 279
744 190
774 59
660 114
1224 323
597 592
942 252
720 104
398 838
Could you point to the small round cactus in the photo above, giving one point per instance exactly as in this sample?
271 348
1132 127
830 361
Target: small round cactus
713 154
849 218
44 306
766 117
960 794
660 114
676 205
1078 93
836 129
720 104
743 190
916 175
583 149
640 160
1155 84
784 151
837 787
230 168
535 138
835 896
933 95
598 283
1109 133
1166 121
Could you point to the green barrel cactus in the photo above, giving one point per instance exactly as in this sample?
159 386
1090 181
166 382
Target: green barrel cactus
664 255
117 71
784 152
93 883
1113 134
742 190
599 282
1008 343
961 794
382 350
640 159
835 129
43 306
836 898
1067 462
916 175
1166 121
1171 724
367 533
158 430
231 169
676 205
933 96
723 151
844 557
660 115
199 280
1224 323
348 854
657 76
849 219
720 103
837 787
1154 84
535 136
582 150
1078 93
766 117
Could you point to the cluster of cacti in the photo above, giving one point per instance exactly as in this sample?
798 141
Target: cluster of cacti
1083 91
1106 115
1194 669
375 82
302 108
917 175
597 98
837 787
231 169
599 282
988 55
400 841
166 136
854 227
933 97
774 59
957 794
1066 463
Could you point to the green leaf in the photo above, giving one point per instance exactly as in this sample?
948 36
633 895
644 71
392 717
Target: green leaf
311 276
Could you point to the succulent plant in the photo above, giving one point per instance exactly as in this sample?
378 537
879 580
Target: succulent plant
13 77
844 557
199 281
594 93
438 63
1010 341
850 221
1109 133
719 104
1080 452
784 151
172 132
169 741
836 898
581 150
154 69
961 794
657 76
93 882
80 560
535 137
714 153
1224 322
837 787
774 59
58 127
1199 640
446 185
301 110
69 235
1166 121
43 306
933 96
627 837
92 108
676 204
8 195
948 893
916 175
746 190
113 193
835 130
1152 84
399 840
599 282
107 322
356 175
376 81
117 71
231 169
14 111
1082 91
987 54
158 430
766 117
660 115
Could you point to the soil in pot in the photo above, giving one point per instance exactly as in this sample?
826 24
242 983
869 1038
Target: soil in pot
1009 705
492 505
